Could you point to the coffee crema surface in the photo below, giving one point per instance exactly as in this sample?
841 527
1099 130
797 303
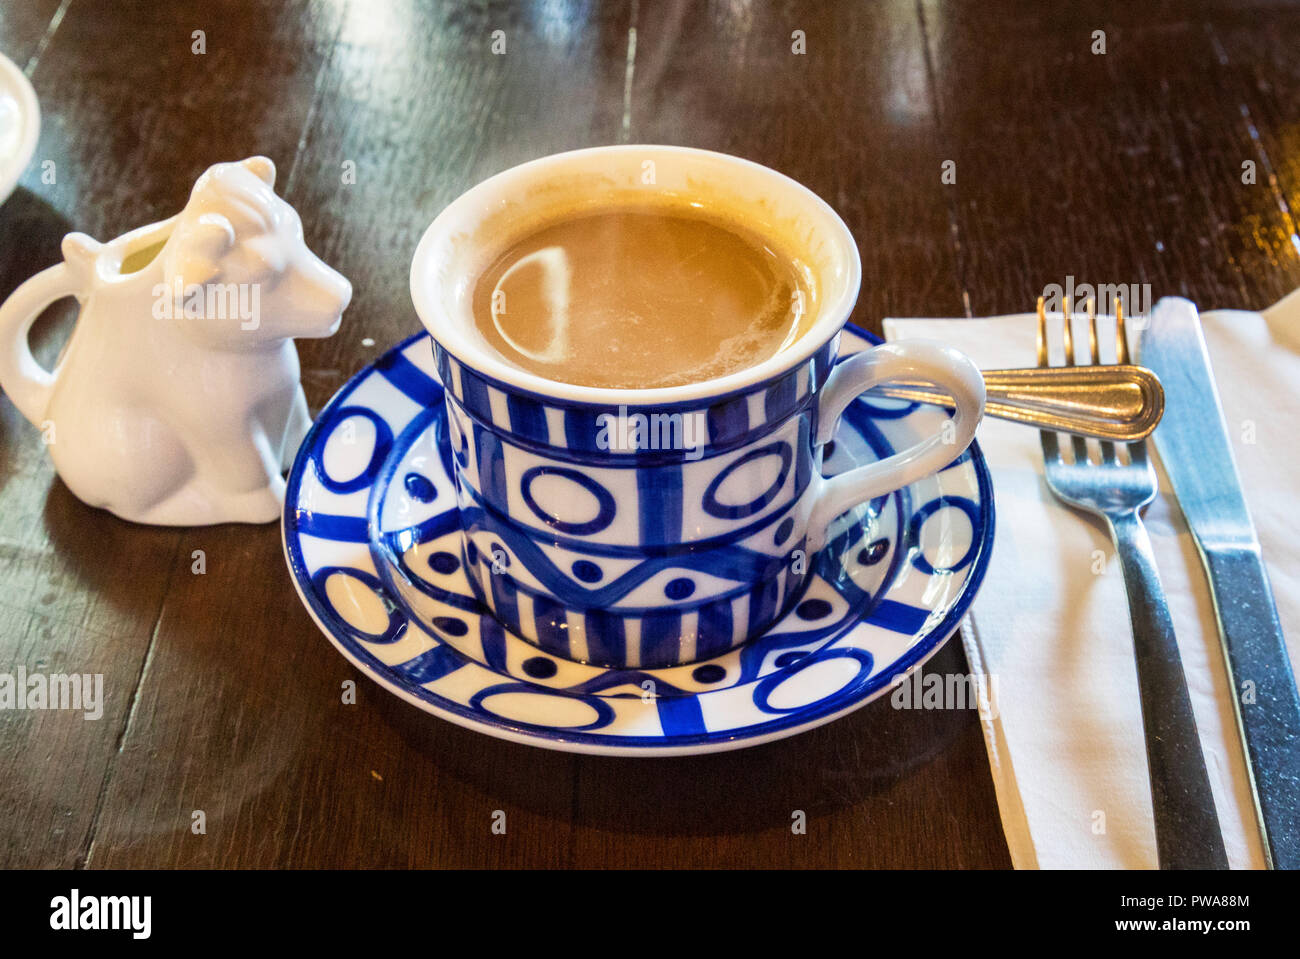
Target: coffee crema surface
630 298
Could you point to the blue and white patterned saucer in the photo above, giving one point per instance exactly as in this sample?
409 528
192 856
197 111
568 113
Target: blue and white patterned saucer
372 537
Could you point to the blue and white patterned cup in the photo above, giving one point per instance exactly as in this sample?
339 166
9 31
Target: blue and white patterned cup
649 528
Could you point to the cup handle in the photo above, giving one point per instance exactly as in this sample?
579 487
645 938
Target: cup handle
926 360
27 383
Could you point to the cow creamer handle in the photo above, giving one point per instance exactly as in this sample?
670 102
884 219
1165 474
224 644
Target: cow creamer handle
24 380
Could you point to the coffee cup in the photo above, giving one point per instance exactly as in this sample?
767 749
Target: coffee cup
652 527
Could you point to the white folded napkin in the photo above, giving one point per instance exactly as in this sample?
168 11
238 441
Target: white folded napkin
1065 740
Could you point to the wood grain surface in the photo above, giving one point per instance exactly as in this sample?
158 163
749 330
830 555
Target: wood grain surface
222 696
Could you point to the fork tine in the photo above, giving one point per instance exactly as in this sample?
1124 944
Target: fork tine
1069 333
1079 444
1107 449
1042 333
1092 331
1051 447
1121 336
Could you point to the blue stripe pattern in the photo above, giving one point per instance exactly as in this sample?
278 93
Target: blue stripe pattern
660 505
899 617
352 529
409 378
681 715
730 418
431 665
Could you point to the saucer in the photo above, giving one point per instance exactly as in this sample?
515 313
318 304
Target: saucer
20 125
373 540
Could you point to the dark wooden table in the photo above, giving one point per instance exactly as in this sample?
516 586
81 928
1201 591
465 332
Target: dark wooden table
222 696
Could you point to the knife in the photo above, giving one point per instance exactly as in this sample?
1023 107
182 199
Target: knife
1192 440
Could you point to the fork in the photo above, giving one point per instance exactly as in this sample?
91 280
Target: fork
1117 489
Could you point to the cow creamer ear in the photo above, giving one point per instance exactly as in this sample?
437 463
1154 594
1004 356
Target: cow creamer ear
212 234
79 246
80 250
263 168
200 247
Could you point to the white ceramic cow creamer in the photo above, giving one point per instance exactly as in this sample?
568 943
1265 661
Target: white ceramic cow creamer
176 400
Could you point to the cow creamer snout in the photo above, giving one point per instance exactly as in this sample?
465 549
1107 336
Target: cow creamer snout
317 296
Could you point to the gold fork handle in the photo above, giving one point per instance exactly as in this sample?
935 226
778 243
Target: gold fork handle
1120 403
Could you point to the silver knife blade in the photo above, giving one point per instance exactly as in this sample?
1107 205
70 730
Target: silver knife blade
1192 441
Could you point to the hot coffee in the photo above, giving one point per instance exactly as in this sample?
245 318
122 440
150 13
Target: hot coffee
641 297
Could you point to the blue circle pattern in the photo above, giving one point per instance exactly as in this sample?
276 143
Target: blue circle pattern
761 501
396 619
709 673
420 488
604 712
444 563
679 588
605 510
763 692
873 553
924 513
587 571
451 626
811 609
539 667
783 531
328 424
